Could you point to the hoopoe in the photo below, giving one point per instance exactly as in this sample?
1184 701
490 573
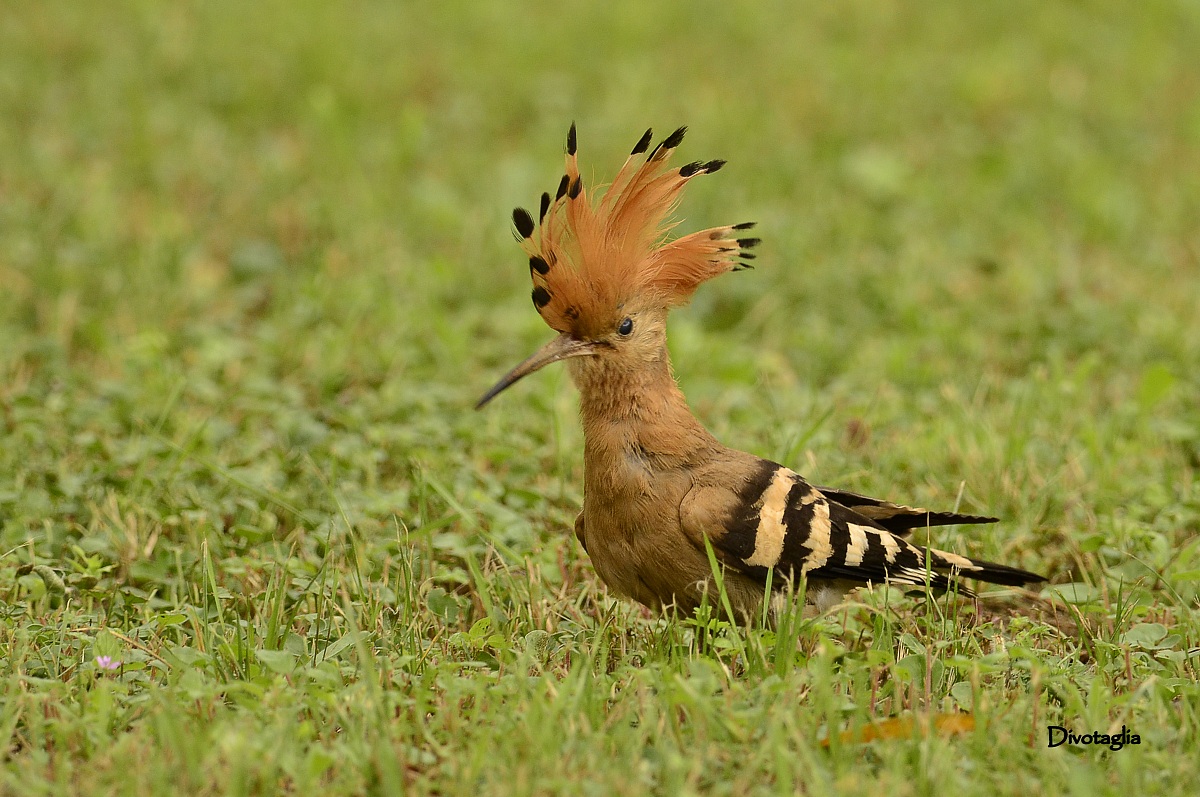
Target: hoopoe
657 485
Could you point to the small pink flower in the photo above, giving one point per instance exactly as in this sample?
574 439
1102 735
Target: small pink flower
107 663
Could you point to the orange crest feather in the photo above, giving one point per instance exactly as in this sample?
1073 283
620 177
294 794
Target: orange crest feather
588 260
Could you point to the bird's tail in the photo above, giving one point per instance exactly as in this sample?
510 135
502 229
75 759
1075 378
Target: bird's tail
949 565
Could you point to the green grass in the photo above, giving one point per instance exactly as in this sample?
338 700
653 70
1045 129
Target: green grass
255 268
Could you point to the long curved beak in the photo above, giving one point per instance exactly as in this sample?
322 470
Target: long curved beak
561 348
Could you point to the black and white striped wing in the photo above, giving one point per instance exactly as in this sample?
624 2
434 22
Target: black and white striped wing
786 524
899 518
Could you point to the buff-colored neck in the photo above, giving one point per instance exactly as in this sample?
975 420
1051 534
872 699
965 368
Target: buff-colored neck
636 410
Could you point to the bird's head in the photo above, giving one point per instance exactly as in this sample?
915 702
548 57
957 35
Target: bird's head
605 273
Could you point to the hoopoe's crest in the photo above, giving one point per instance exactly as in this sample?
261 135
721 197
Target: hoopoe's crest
595 254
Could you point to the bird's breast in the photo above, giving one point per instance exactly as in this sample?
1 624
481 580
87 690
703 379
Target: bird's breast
633 532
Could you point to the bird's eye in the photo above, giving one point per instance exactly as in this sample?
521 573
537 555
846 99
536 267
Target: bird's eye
626 327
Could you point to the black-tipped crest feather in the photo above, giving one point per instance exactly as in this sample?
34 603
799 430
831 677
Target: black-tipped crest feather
523 222
643 143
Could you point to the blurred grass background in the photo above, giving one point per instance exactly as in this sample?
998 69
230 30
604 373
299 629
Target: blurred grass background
255 267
